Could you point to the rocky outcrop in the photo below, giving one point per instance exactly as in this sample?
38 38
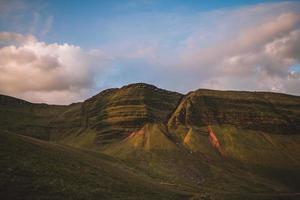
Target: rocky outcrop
270 112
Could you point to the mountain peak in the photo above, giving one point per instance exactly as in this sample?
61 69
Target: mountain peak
139 85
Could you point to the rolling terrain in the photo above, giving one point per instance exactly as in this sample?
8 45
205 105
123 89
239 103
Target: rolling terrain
34 169
142 142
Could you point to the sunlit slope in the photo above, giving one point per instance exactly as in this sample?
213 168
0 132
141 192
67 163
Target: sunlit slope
33 169
114 114
193 163
258 132
257 137
107 117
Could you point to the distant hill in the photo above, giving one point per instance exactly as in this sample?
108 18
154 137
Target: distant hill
207 144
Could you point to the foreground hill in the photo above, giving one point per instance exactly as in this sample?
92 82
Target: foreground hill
204 145
34 169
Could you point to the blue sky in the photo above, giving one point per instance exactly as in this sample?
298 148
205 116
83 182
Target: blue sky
88 23
82 47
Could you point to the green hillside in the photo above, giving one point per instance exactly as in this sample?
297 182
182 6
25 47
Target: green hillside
115 113
143 140
34 169
270 112
193 162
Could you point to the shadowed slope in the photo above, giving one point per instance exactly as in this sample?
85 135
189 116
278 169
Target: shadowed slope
33 169
37 120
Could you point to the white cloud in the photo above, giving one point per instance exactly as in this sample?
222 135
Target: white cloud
45 72
255 55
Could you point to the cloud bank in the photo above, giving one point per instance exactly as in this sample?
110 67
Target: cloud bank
40 72
258 58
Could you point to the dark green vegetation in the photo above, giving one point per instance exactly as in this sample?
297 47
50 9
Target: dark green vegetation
142 142
33 169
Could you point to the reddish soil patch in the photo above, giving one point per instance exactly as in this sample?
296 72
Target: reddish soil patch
214 141
137 133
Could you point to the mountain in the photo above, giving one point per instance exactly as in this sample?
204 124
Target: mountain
207 144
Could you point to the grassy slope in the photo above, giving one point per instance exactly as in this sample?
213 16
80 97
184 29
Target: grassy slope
107 117
33 169
196 165
47 122
113 114
259 133
269 112
271 155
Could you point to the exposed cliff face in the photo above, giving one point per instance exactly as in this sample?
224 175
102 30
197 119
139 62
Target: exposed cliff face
274 113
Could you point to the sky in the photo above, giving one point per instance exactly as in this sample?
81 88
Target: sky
64 51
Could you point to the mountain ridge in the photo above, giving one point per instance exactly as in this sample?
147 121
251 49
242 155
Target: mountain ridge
153 86
206 140
143 101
